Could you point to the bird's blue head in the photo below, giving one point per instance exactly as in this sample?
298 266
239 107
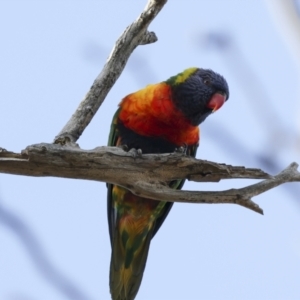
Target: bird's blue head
198 93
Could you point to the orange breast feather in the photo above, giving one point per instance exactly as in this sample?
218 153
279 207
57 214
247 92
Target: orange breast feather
151 112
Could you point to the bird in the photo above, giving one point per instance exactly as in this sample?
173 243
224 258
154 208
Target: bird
160 118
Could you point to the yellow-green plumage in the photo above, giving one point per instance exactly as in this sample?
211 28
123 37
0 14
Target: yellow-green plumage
135 223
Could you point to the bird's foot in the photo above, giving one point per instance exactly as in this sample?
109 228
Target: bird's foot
124 147
133 151
136 152
181 150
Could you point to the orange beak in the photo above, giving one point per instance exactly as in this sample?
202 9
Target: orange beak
216 101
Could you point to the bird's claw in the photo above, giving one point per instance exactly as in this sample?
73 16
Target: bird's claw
134 152
181 149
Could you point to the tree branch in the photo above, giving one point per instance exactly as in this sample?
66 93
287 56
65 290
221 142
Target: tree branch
108 164
134 35
145 176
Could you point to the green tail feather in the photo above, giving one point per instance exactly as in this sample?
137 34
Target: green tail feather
128 264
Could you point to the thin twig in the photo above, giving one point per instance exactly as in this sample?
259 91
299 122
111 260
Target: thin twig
134 35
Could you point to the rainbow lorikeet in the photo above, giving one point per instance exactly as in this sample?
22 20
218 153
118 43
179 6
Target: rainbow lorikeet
160 118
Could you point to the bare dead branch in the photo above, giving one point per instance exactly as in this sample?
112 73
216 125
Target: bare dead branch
145 176
106 163
236 196
134 35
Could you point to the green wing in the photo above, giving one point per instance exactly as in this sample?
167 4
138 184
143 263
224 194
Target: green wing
113 137
112 141
176 184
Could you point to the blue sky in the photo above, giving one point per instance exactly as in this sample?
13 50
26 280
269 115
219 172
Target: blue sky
49 56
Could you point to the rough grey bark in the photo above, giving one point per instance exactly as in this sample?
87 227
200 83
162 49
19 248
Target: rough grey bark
146 175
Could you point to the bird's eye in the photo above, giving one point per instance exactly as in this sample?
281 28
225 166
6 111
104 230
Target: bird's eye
206 81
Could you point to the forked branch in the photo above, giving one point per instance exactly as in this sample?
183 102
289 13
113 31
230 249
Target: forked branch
145 176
